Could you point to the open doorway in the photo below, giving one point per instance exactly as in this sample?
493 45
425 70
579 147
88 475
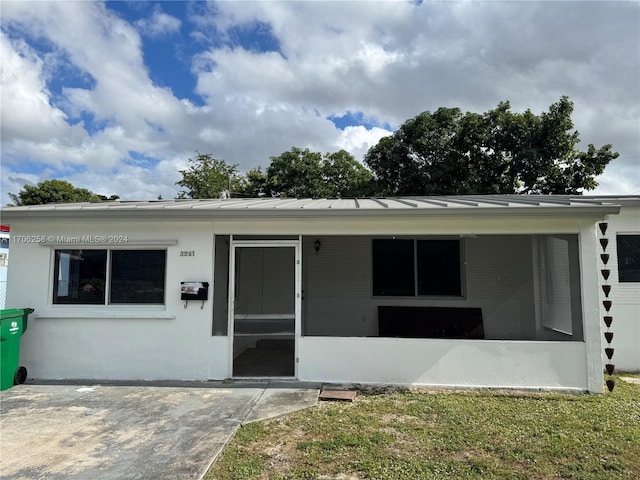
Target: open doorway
263 313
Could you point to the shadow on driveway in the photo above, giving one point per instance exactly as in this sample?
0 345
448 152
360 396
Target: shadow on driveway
173 431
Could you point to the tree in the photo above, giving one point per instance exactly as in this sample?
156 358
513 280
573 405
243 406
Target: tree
254 183
55 191
448 153
345 176
208 177
296 173
302 173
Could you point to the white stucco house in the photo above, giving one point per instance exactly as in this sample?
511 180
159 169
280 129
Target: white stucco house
471 291
4 262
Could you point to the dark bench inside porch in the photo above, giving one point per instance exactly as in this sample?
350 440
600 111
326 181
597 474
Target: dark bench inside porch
430 322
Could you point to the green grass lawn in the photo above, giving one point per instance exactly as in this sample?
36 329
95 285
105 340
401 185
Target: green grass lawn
470 434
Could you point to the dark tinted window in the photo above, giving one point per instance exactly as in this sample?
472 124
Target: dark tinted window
137 276
436 262
628 258
393 267
439 267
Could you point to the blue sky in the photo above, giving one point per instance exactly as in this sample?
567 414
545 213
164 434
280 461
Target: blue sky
116 96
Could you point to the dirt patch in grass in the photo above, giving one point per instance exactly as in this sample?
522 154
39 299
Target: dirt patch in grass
468 434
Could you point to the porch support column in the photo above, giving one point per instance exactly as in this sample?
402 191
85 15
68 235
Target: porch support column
591 306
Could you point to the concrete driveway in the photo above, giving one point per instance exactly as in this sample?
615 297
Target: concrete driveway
131 432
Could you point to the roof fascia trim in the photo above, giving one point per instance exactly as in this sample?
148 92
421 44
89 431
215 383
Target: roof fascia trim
187 214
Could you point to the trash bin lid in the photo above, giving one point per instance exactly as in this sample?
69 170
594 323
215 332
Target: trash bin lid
14 313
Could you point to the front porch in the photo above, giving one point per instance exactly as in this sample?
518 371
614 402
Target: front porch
525 288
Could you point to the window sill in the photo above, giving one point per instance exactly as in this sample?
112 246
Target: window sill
103 241
104 315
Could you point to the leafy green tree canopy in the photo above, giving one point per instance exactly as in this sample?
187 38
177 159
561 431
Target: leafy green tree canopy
346 177
55 191
254 184
302 173
208 177
296 173
450 153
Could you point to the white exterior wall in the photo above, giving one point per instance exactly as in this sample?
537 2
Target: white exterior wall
590 311
170 342
119 342
625 296
465 363
4 252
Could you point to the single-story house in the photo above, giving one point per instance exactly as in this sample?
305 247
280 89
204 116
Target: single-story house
468 291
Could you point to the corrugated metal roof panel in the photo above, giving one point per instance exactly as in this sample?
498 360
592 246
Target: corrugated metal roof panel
399 203
344 204
319 204
460 202
295 203
368 203
490 204
429 202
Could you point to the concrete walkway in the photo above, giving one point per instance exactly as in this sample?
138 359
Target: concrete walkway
174 431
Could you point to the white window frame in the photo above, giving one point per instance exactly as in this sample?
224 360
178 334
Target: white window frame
107 283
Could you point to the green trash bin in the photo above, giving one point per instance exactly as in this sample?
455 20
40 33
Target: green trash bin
13 323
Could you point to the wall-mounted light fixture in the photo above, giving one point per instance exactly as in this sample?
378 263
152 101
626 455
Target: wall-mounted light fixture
316 245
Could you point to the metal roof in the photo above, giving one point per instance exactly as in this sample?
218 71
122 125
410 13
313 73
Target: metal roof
309 207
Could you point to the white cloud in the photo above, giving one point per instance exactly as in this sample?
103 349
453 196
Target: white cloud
159 24
132 110
625 180
109 50
357 139
13 183
26 111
